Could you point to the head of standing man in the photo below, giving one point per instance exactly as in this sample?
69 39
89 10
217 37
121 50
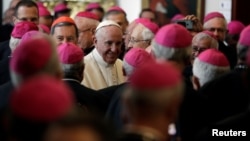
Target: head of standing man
26 11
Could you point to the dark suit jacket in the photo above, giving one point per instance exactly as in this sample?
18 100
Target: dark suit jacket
230 52
224 97
4 50
4 71
95 102
5 92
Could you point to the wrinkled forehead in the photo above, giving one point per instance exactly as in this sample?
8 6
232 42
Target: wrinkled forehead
109 29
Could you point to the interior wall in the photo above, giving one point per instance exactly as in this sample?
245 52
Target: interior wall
223 6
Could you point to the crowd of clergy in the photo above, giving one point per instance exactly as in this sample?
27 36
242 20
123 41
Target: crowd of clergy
99 77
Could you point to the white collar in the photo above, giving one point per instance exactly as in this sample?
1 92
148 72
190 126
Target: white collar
70 79
99 59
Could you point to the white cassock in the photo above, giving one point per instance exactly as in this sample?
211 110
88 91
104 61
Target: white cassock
98 74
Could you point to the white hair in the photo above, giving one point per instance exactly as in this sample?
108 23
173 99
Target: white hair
206 24
127 68
14 42
170 53
147 34
206 72
202 36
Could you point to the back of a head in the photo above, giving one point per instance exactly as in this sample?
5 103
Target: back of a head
235 27
152 89
71 58
63 21
85 18
35 56
172 42
209 36
19 30
243 44
115 10
32 110
134 58
209 65
26 3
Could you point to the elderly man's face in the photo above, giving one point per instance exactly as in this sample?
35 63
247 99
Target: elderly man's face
108 41
85 30
136 38
199 46
25 13
65 34
119 19
218 27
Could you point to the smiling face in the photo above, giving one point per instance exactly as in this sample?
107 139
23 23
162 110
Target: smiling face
108 41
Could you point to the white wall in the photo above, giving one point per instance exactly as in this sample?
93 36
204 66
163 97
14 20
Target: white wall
223 6
132 8
6 4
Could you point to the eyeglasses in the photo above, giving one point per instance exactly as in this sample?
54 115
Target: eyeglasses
197 49
132 40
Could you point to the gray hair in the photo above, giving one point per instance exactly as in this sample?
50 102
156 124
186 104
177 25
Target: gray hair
14 42
127 68
242 51
147 34
203 36
72 70
179 55
207 72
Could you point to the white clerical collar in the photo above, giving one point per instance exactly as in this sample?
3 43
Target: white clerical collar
99 59
70 79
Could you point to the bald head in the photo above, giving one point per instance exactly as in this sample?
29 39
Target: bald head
86 27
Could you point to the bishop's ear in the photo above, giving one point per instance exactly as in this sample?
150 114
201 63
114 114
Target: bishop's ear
196 83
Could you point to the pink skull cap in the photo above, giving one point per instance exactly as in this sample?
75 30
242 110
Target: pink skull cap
60 7
214 57
87 14
42 98
244 36
93 5
173 36
31 56
22 27
235 27
116 8
212 15
137 56
177 17
69 53
153 27
155 75
43 11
